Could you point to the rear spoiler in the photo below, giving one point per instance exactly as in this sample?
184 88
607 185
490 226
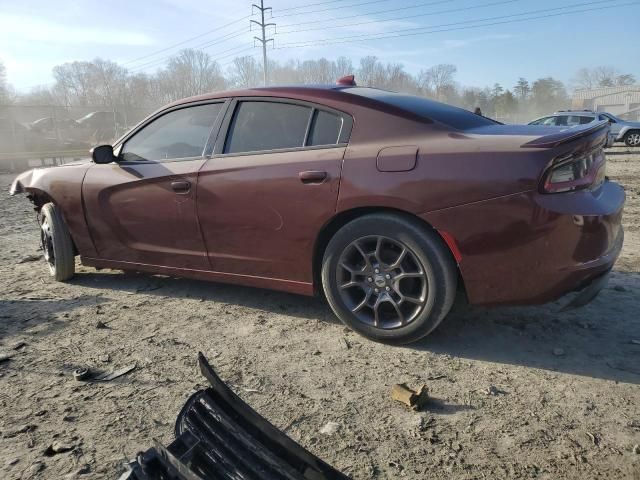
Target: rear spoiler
218 436
568 135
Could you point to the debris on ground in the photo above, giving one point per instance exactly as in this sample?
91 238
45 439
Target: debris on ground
594 438
636 449
101 325
30 258
81 374
58 447
416 399
493 391
4 356
330 428
106 377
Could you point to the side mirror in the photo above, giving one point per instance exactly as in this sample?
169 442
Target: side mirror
103 154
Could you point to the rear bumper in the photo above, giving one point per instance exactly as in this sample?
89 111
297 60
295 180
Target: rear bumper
533 248
586 294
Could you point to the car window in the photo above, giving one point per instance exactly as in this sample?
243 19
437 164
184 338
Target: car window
545 121
428 110
584 120
260 126
325 129
561 120
574 120
178 134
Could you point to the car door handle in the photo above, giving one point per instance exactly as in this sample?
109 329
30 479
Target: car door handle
181 186
312 176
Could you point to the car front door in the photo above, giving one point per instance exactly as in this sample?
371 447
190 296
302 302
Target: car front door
270 186
142 209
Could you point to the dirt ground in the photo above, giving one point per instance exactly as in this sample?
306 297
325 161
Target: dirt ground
566 400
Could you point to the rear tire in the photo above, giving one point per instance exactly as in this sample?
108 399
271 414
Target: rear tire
389 278
57 244
632 138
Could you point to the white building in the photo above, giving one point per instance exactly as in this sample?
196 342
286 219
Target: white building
621 101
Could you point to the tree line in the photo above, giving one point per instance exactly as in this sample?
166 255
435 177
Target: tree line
106 84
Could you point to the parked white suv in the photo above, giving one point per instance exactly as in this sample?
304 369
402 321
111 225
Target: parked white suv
620 130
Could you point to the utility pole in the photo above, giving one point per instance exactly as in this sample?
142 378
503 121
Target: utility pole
264 40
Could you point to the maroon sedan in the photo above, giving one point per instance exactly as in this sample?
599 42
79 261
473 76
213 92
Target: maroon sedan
386 203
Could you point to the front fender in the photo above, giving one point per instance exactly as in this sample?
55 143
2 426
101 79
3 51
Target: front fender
63 186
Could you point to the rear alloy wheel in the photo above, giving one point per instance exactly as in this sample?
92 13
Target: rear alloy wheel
632 139
56 243
393 287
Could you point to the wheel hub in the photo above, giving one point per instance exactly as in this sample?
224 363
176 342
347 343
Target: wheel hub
382 282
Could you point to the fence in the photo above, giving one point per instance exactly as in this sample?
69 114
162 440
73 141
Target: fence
54 134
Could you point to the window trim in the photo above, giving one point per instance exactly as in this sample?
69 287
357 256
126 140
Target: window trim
209 145
223 134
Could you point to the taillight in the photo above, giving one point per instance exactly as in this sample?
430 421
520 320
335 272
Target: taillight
575 172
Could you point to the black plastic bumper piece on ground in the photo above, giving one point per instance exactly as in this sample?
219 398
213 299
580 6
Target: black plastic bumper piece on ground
218 436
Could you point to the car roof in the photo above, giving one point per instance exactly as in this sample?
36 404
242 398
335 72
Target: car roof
579 113
345 97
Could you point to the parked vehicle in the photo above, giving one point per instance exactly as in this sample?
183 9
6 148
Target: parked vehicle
620 130
102 126
384 202
50 124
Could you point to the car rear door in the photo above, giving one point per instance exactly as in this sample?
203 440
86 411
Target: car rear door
142 209
270 186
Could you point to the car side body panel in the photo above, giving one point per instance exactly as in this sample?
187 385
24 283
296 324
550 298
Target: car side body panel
135 215
259 218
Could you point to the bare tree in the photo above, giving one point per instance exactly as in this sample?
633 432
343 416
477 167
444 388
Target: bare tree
625 79
604 76
584 78
245 72
191 72
367 72
342 67
438 80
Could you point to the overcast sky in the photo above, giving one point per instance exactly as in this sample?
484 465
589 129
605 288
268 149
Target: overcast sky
35 35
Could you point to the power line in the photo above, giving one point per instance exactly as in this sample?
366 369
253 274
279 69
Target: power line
451 10
332 8
229 52
134 60
310 5
379 12
399 33
202 46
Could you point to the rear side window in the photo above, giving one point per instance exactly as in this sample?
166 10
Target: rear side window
584 120
178 134
325 129
267 126
428 110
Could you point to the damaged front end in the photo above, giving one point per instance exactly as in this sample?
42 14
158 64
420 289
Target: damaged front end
218 436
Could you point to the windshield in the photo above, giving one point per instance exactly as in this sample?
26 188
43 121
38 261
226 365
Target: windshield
612 117
455 117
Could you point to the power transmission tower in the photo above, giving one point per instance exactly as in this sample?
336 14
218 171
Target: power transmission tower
264 40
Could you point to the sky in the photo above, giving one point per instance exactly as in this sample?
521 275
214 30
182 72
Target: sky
482 37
